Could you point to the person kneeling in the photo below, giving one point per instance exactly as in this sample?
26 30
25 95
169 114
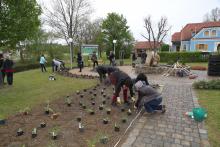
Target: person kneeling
149 98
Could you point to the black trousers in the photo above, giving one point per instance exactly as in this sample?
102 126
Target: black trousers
3 76
95 62
9 78
43 68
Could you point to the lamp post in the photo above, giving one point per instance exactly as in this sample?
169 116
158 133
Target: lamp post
114 42
70 40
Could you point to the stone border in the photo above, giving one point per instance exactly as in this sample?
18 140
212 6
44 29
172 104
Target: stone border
203 133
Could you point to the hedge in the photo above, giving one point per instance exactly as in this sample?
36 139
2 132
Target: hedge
213 84
186 57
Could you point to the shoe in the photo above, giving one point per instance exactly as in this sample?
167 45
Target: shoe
163 110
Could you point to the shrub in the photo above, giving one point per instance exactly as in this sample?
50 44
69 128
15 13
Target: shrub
213 84
183 57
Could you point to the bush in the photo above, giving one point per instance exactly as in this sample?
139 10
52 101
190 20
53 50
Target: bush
185 57
164 48
213 84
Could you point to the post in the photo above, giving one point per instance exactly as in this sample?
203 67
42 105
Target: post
114 42
71 53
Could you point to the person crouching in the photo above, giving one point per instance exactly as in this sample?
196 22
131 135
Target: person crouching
149 98
121 80
105 69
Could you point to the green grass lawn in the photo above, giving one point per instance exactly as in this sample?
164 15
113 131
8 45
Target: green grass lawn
205 64
33 87
210 99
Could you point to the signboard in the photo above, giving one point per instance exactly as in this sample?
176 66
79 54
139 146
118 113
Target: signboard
88 49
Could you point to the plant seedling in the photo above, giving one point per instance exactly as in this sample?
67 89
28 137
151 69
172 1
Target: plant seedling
105 121
84 106
93 103
55 115
26 111
104 140
81 127
102 92
104 95
43 125
104 88
2 120
68 101
101 107
124 120
20 132
79 118
34 133
54 133
122 109
108 111
81 95
91 112
129 112
47 108
117 128
84 90
77 92
94 94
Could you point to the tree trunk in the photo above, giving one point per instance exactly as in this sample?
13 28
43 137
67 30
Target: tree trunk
21 55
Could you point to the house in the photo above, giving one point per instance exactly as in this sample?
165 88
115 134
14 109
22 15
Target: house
204 37
144 45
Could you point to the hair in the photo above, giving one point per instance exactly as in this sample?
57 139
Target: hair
142 77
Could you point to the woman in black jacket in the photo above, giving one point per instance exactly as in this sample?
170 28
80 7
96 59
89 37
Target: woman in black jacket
7 68
79 61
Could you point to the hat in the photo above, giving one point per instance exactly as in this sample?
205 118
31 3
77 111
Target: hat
138 85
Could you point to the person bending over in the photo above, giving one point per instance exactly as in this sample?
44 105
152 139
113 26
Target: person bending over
121 80
149 98
105 69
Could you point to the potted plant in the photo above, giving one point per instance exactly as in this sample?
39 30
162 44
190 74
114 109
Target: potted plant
90 92
55 115
20 132
81 95
80 103
129 112
94 94
47 108
81 127
103 102
79 118
102 91
84 90
26 111
101 107
94 89
104 95
117 128
93 103
122 109
105 120
34 133
104 140
91 112
68 101
108 111
124 120
84 106
92 98
2 120
77 92
54 133
43 125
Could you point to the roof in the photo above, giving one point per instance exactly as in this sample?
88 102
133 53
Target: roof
186 32
145 45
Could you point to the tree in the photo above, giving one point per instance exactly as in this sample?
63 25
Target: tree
66 16
214 15
114 27
19 21
158 34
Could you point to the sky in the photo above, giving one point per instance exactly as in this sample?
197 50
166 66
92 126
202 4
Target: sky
178 12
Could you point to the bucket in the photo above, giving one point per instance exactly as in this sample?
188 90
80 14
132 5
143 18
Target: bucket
199 114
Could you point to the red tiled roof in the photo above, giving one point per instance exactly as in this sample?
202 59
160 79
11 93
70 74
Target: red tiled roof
186 32
145 45
176 37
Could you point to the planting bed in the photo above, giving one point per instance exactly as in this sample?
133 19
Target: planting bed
66 125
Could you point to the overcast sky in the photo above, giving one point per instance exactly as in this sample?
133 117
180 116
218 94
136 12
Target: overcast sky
178 12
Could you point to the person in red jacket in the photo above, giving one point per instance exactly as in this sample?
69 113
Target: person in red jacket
121 80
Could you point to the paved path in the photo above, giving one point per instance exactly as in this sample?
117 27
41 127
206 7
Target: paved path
171 129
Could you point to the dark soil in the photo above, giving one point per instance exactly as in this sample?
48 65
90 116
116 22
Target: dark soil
67 124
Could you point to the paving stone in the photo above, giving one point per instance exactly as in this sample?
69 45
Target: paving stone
185 143
194 144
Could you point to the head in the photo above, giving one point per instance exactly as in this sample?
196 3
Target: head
142 77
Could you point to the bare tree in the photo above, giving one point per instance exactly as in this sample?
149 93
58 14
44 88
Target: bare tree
156 35
65 16
214 15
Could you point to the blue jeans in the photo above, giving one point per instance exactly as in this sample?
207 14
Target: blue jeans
153 105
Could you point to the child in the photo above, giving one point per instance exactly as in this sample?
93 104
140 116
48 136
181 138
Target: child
121 80
149 98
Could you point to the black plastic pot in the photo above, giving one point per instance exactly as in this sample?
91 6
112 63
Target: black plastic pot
54 137
104 102
104 140
33 135
124 120
81 95
92 98
84 106
117 128
100 107
91 112
80 103
2 122
20 132
122 109
43 125
84 90
47 112
79 119
69 104
108 111
93 103
104 95
90 92
105 121
77 92
94 94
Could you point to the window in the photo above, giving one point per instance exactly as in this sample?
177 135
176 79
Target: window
202 47
206 33
214 33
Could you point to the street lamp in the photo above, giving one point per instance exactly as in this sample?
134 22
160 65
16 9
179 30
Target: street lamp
114 42
70 40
